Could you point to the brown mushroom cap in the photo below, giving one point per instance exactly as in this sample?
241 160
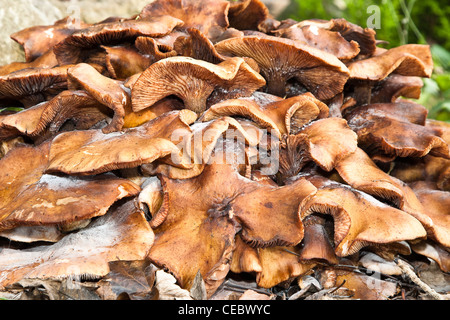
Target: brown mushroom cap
46 60
360 219
93 152
75 48
107 91
247 14
395 86
406 60
436 203
121 234
283 116
323 141
231 78
282 59
30 85
152 50
209 16
223 210
37 40
395 129
435 252
31 197
322 39
124 61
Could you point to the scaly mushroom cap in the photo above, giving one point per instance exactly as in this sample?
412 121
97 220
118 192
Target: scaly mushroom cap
322 39
194 81
31 197
209 16
395 129
121 234
282 59
92 151
436 202
284 116
31 85
406 60
76 48
323 141
206 231
37 40
359 219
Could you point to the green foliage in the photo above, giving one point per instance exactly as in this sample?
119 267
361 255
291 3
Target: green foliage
400 22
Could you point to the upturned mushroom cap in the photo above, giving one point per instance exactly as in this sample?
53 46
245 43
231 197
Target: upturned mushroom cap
153 50
30 86
395 129
406 60
46 118
282 116
280 59
31 197
107 91
209 16
323 142
213 222
77 47
37 40
359 219
92 151
231 78
121 234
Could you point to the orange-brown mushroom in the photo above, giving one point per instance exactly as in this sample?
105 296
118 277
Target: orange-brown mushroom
32 86
196 82
78 46
31 197
121 234
92 151
323 142
360 219
247 14
436 204
282 116
281 59
37 40
225 209
395 130
210 16
46 60
330 41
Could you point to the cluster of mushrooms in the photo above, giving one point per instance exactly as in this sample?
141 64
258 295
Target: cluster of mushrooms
100 164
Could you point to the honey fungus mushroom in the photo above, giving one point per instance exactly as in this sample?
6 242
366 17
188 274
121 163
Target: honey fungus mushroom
194 81
281 59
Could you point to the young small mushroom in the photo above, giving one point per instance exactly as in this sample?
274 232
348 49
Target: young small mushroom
281 59
195 82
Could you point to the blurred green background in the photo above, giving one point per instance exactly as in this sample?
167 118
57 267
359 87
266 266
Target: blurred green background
400 22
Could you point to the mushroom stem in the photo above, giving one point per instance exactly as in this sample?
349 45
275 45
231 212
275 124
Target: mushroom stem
276 83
